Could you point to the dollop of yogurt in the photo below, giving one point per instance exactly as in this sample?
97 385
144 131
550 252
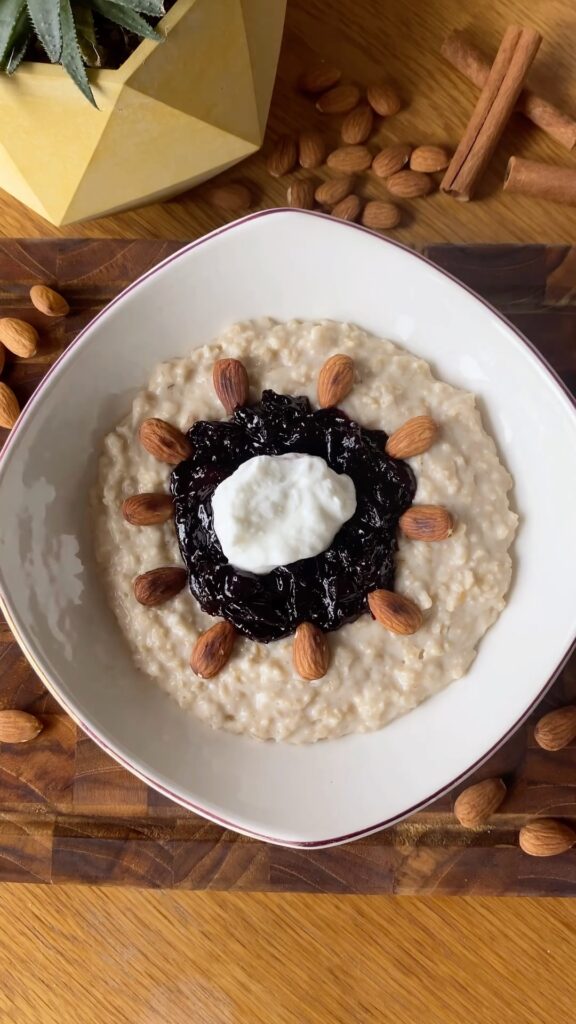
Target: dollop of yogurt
277 509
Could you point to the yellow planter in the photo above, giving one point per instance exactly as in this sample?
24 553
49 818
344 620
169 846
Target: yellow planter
173 115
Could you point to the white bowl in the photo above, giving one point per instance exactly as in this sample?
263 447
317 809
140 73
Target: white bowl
286 264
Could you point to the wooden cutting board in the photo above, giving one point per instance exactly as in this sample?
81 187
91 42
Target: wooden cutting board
68 813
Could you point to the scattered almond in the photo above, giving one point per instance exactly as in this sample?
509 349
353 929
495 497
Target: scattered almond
18 726
18 336
395 612
9 407
311 150
231 198
147 509
556 729
164 442
546 837
339 100
48 301
381 216
357 125
333 191
319 77
212 650
301 194
310 652
391 159
283 157
413 438
477 803
335 380
429 159
348 208
159 585
409 184
231 384
427 522
384 99
350 159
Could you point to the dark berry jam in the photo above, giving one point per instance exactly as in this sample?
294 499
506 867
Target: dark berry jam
329 589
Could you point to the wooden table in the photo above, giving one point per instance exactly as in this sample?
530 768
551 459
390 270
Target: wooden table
124 956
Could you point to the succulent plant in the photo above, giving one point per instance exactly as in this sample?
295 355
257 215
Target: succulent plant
66 30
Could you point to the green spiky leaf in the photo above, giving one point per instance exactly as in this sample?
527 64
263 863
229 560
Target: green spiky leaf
13 20
154 8
45 15
126 18
71 57
16 55
86 33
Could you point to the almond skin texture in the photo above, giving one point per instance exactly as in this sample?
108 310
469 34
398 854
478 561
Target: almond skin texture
159 585
18 336
319 77
395 612
335 380
348 208
334 191
476 804
546 837
311 150
556 729
301 195
310 653
147 509
350 159
339 100
48 301
429 159
283 157
18 727
165 442
384 99
232 199
357 125
9 408
413 438
427 522
391 159
2 357
381 216
231 384
409 184
212 650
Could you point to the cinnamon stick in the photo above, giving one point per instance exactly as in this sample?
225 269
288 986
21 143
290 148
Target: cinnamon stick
472 63
529 178
495 104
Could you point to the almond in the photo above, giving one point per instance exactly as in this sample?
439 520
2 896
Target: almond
339 100
18 727
231 198
9 408
413 438
349 159
212 650
147 509
395 612
301 194
381 216
159 585
384 99
348 208
556 729
429 159
333 191
477 803
311 150
310 652
357 125
18 336
319 77
546 837
283 157
48 301
2 357
391 159
164 442
335 380
230 381
427 522
409 184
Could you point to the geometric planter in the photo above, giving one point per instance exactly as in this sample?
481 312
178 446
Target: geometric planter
174 114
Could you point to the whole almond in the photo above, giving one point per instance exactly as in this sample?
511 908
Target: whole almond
9 408
335 380
391 159
165 442
381 216
477 803
413 438
394 611
231 384
18 726
48 301
333 191
300 194
409 184
18 336
348 208
384 99
427 522
429 159
357 125
319 77
159 585
546 837
283 157
310 652
556 729
147 509
231 198
339 100
311 150
212 650
350 159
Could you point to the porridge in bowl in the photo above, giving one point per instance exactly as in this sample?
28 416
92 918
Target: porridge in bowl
298 572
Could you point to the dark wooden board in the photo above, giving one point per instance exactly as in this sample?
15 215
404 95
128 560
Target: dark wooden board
68 813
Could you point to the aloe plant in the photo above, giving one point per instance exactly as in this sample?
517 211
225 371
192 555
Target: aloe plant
67 31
